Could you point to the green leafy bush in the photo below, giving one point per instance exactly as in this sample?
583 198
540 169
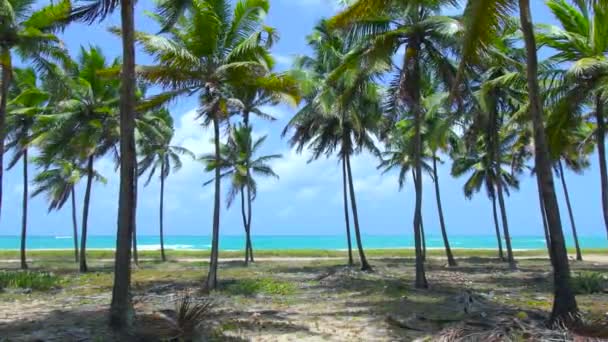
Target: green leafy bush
28 280
269 286
589 282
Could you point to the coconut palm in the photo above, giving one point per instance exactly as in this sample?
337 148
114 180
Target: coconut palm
159 155
429 38
582 42
27 102
85 123
340 115
482 20
214 47
28 33
239 163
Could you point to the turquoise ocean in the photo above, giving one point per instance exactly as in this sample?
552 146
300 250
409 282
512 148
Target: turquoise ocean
321 242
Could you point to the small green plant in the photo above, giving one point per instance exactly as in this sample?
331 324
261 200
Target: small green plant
191 313
28 280
248 287
589 282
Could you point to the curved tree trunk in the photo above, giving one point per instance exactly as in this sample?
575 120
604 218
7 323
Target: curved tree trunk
544 217
346 218
74 224
601 153
565 309
160 210
24 212
249 210
244 216
134 225
505 223
444 234
121 308
423 236
501 255
85 216
211 282
579 256
6 69
365 266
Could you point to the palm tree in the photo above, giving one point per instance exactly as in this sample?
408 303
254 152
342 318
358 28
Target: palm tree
159 154
58 181
238 162
27 103
209 51
429 38
582 43
340 115
85 123
482 20
27 32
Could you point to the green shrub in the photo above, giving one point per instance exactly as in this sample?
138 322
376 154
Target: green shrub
248 287
28 280
589 282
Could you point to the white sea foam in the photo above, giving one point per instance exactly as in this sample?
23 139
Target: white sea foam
63 237
157 247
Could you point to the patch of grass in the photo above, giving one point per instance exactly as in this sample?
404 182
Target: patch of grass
270 286
28 280
589 282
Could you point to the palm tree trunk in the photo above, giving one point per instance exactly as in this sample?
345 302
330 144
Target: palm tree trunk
85 216
365 266
24 212
160 210
244 216
601 153
423 236
134 225
501 255
565 308
346 218
249 213
211 283
121 308
6 69
544 217
579 256
444 234
505 223
74 224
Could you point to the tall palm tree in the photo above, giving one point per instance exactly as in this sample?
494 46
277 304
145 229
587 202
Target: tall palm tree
429 38
483 19
28 33
340 115
582 43
27 102
58 181
214 47
159 155
85 123
239 163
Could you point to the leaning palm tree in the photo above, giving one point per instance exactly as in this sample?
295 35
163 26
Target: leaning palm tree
582 44
159 155
58 182
28 33
211 49
482 20
27 103
429 39
239 163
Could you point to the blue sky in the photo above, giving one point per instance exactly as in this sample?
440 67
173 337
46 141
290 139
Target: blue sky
307 198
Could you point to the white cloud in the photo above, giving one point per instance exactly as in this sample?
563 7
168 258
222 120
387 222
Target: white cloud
308 192
284 60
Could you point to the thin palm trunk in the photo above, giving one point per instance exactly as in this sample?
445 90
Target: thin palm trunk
544 218
565 308
6 68
74 224
121 308
24 212
501 255
160 209
211 282
134 225
444 234
579 256
346 218
249 213
601 153
244 216
85 216
365 266
505 223
423 237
